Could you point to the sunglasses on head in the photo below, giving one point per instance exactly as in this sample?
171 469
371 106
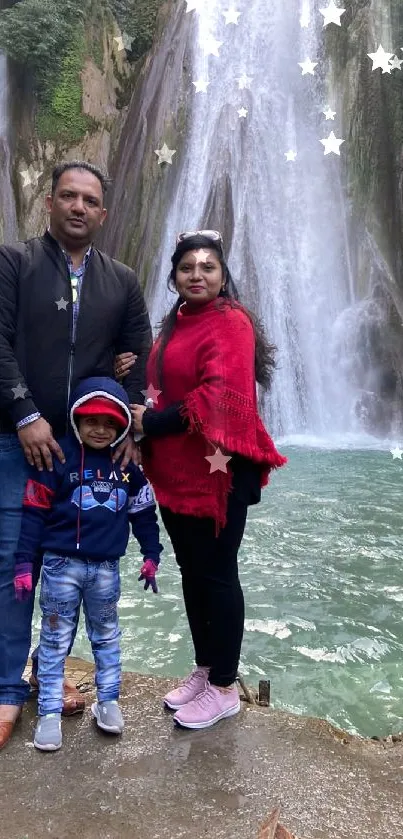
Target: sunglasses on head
214 235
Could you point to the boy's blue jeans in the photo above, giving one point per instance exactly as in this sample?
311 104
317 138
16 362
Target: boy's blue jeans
66 583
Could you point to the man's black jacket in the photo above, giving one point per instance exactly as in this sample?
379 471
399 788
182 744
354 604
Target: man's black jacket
39 364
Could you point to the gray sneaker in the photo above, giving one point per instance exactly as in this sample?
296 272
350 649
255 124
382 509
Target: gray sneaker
48 733
108 716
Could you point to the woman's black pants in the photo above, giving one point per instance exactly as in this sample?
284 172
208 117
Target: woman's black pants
211 588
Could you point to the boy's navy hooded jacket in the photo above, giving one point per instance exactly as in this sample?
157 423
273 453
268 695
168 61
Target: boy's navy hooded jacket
83 508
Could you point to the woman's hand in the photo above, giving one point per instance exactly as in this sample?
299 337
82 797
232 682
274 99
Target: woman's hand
137 412
123 364
129 453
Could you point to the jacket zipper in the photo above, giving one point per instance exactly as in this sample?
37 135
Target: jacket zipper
71 351
69 378
73 337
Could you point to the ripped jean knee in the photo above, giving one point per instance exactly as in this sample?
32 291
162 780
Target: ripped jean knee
59 619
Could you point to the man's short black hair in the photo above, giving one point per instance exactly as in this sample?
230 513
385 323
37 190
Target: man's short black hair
78 164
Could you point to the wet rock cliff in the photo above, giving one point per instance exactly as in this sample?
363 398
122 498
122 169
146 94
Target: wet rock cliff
74 91
371 107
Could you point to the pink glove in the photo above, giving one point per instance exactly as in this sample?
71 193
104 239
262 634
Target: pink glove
147 572
23 580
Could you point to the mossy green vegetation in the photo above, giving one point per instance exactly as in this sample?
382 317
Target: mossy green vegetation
60 117
49 42
35 34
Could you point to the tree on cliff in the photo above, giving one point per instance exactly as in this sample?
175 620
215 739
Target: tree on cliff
137 18
34 34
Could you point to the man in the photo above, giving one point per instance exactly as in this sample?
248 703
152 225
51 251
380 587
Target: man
66 310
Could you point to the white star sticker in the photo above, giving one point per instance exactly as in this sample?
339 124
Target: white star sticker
396 63
332 144
332 14
243 113
396 453
165 154
30 176
119 41
151 394
232 16
329 114
36 174
62 304
127 41
290 156
381 59
308 66
201 86
124 42
19 391
201 255
245 82
218 461
211 46
26 176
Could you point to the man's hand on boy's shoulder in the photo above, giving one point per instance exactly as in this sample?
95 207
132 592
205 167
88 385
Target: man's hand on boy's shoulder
129 452
38 444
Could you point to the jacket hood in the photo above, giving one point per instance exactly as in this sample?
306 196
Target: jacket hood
100 386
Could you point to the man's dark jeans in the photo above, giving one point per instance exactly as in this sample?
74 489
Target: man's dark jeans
15 617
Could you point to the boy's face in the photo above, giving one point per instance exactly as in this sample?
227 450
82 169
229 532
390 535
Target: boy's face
98 431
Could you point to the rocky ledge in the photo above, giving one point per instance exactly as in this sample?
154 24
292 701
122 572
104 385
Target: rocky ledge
158 782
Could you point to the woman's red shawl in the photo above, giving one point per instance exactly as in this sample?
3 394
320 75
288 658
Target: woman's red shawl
209 364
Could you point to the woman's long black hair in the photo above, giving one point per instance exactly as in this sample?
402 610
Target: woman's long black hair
264 353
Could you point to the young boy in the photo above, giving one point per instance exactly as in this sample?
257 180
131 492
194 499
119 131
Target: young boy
78 516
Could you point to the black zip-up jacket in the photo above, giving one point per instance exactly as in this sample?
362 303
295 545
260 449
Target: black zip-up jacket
39 364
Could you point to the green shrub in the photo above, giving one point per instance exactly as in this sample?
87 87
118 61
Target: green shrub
34 33
60 115
138 19
49 41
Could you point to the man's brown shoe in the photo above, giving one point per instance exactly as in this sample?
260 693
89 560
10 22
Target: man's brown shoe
73 700
7 728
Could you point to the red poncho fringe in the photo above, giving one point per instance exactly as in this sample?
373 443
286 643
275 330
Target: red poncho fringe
209 364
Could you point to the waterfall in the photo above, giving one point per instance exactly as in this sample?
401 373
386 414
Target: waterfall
8 219
284 222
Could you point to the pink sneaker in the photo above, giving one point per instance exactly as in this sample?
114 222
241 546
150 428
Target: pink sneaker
208 707
188 689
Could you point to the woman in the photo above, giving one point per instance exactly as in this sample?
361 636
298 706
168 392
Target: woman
207 455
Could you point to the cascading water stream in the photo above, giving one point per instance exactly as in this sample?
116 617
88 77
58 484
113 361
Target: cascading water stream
8 220
324 540
285 221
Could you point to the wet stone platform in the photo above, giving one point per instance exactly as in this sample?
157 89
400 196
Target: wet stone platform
158 782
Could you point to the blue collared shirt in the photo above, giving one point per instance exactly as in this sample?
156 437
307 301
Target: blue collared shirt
79 274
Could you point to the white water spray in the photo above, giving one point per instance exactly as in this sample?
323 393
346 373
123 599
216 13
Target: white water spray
287 220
